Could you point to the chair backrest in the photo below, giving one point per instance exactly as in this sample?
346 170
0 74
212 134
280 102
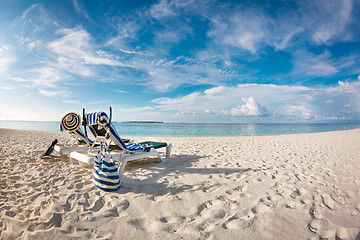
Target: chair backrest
93 120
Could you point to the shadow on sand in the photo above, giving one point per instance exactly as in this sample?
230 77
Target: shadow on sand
156 178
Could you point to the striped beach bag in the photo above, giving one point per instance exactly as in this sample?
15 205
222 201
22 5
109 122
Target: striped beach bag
106 175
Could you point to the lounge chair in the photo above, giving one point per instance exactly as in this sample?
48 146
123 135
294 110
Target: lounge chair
100 122
78 139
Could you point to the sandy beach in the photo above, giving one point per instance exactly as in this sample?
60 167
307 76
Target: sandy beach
304 186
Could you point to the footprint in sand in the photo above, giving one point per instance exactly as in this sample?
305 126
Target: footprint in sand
315 225
316 211
172 219
239 219
357 206
328 234
172 224
120 204
98 204
338 234
238 192
10 214
206 226
292 204
149 224
329 202
52 220
342 233
261 208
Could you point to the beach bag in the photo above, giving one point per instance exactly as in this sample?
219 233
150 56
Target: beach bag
105 175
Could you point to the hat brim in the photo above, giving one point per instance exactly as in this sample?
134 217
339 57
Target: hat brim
71 122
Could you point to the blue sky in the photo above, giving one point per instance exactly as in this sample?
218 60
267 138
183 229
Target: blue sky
181 60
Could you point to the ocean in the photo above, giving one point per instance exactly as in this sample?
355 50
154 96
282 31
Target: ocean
193 129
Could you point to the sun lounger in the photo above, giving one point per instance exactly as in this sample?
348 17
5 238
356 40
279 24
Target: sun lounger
129 152
78 140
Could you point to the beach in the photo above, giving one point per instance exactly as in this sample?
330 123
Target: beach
297 186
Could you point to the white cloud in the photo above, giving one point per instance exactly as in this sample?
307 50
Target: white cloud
76 54
80 9
7 88
313 65
72 102
7 58
215 90
250 108
46 77
251 27
50 93
162 9
34 44
295 111
128 51
329 19
245 30
281 102
185 113
27 11
171 36
287 39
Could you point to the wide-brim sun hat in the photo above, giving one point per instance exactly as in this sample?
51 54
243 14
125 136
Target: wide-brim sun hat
71 122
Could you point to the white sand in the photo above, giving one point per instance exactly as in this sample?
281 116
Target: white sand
303 186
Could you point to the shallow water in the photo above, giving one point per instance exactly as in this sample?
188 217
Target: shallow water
193 129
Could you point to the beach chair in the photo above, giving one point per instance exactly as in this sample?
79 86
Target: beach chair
78 139
100 123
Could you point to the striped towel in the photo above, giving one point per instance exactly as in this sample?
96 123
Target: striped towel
106 175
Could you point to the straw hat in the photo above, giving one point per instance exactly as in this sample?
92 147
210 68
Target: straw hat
71 122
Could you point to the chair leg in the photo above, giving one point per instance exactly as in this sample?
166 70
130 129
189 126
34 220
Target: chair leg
122 164
168 151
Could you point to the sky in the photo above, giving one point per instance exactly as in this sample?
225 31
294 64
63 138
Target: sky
181 60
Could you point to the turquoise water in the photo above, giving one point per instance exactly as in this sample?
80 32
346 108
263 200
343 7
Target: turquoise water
193 129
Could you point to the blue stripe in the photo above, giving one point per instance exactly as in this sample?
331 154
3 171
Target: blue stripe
106 176
108 189
114 133
94 118
108 164
91 118
134 146
105 179
108 170
106 183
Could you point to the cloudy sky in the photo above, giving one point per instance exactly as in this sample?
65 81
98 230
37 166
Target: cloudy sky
181 60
